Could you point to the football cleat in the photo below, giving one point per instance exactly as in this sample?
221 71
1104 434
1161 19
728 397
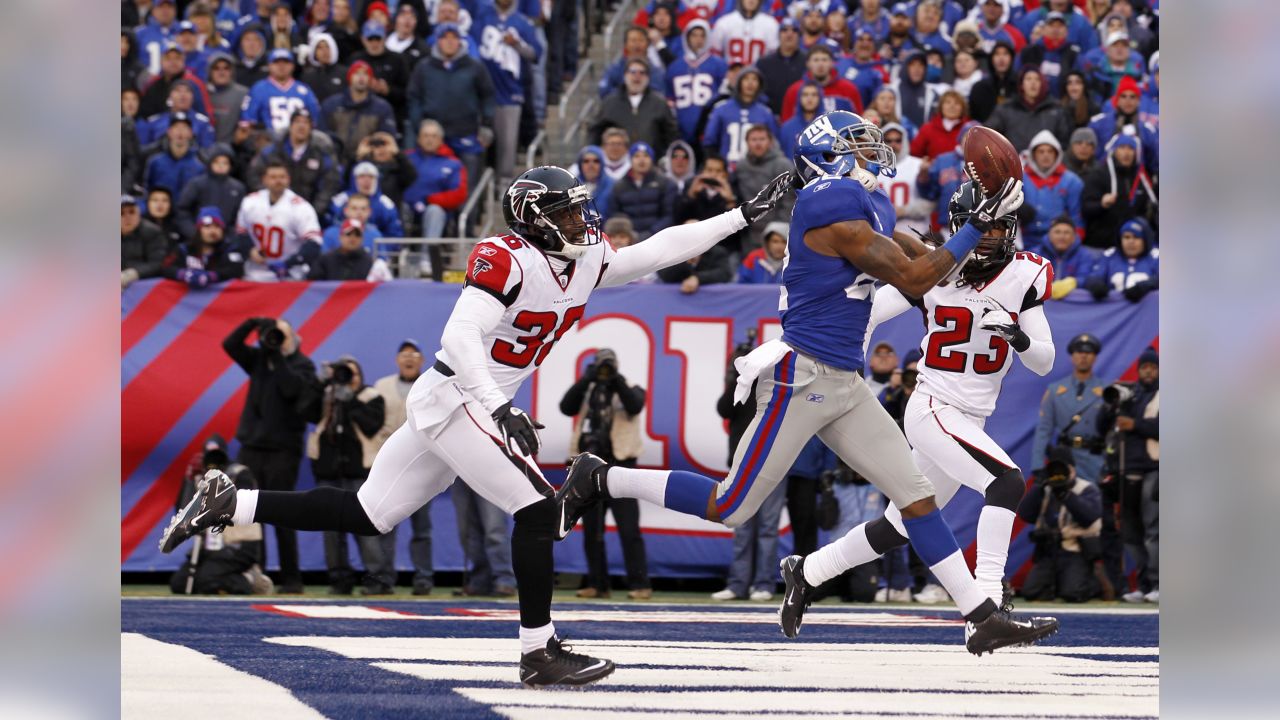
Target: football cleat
1001 629
556 665
582 487
796 595
211 509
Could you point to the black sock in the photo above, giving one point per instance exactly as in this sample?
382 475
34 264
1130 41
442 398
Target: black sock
533 561
982 612
321 508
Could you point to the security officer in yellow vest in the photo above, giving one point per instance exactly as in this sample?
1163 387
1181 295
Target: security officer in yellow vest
606 423
1069 410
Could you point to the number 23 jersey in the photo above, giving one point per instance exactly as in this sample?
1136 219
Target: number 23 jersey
542 304
963 364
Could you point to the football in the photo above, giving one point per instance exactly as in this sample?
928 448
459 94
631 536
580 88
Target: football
989 158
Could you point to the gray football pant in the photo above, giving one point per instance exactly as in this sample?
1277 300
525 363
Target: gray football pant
803 398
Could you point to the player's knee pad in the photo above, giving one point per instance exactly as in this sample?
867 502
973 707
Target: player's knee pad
1006 490
537 521
883 536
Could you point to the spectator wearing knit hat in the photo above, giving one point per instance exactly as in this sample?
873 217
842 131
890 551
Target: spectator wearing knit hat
216 188
1023 118
324 72
1082 156
645 194
313 169
1131 267
207 258
352 116
1115 191
1123 115
1105 66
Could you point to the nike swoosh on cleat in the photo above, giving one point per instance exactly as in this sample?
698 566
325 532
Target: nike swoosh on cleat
196 519
562 532
598 665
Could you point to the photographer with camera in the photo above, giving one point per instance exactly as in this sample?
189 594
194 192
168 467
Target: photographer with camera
1131 419
1065 512
283 395
226 562
341 449
607 424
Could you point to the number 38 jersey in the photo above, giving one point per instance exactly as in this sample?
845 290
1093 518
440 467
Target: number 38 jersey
963 364
543 302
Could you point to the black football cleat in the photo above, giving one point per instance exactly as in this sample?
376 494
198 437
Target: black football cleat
796 595
211 509
582 487
1001 629
1006 596
556 665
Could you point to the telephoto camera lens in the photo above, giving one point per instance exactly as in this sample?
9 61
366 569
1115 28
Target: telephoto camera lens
270 336
342 373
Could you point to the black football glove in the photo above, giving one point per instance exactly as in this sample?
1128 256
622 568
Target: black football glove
1001 202
765 200
519 431
999 321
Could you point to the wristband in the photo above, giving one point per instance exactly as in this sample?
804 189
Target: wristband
963 242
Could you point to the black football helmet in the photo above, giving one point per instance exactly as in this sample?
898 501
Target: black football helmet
993 252
549 207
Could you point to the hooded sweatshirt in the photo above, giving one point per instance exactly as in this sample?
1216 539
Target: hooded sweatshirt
836 87
1020 119
328 79
1051 193
681 181
692 81
603 184
1134 190
251 69
384 213
757 267
1110 122
726 133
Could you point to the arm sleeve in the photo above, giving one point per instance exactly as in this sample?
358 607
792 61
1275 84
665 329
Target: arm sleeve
369 416
571 403
1039 355
889 303
668 247
242 354
474 315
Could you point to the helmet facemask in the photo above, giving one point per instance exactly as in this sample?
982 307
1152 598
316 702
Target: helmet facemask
569 226
993 251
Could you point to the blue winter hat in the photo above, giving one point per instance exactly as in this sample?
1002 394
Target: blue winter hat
280 54
210 215
1137 227
641 146
900 9
373 29
186 26
1125 140
170 46
789 22
443 28
912 357
1149 356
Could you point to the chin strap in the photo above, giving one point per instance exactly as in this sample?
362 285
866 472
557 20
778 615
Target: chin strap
868 180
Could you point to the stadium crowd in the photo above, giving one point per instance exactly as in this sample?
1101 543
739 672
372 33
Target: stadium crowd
276 140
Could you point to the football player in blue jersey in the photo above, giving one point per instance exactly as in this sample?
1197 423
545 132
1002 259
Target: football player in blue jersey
842 245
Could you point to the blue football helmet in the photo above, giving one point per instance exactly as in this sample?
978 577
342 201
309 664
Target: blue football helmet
833 143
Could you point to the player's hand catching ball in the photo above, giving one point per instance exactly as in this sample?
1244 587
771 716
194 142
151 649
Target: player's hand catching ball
519 431
1000 322
765 200
1002 202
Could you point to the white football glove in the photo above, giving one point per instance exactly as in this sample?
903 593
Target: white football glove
1000 203
998 320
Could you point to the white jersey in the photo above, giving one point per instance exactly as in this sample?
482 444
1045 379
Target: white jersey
744 40
964 365
541 306
278 230
913 210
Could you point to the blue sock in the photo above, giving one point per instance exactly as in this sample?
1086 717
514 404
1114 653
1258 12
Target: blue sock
689 493
931 537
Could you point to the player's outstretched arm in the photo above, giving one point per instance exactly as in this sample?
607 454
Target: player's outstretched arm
881 257
681 242
476 314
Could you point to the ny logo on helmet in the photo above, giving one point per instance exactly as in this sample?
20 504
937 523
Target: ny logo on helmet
818 128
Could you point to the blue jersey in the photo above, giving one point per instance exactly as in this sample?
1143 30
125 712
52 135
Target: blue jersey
826 301
503 61
151 39
271 104
691 88
728 124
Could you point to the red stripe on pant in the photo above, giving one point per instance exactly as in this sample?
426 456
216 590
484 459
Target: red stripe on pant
781 395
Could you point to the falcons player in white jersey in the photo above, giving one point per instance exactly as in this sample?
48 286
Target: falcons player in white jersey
995 304
283 226
524 291
913 210
744 35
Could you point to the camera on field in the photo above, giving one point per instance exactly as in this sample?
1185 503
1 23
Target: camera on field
341 373
1117 394
270 336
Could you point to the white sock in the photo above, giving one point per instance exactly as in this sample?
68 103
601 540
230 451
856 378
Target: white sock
953 573
648 485
535 638
246 506
843 554
995 526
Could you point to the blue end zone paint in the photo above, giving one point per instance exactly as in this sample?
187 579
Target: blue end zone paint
233 632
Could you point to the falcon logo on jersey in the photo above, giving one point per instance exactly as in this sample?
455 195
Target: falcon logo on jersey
524 193
487 251
481 266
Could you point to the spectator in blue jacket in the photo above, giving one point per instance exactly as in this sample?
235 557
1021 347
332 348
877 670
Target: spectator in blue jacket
644 195
938 180
589 169
1125 111
1053 52
1132 267
358 210
1080 31
1072 261
509 47
635 46
863 68
726 133
441 185
364 180
1105 66
176 164
692 80
182 97
763 266
1050 190
454 89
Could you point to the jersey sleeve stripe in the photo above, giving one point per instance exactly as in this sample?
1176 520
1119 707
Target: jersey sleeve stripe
506 299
